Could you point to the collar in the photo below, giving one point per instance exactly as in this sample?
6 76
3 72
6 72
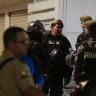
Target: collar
8 54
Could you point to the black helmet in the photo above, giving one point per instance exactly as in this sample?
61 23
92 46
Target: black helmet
36 26
56 54
35 30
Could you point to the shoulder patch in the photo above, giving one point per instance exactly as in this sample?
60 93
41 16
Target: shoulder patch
25 74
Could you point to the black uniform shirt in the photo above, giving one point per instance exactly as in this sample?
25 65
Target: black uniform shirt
57 64
60 42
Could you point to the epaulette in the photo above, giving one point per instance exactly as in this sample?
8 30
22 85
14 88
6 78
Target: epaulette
5 62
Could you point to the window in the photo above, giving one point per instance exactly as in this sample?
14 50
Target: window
39 0
19 18
2 28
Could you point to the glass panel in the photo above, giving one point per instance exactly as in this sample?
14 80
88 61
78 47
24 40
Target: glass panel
39 0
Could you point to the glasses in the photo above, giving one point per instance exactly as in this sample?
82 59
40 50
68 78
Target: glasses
24 42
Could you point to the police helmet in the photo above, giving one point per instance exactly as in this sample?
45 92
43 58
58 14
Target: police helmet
36 26
88 23
35 30
92 28
56 54
70 59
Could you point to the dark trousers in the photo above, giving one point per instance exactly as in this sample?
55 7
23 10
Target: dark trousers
55 83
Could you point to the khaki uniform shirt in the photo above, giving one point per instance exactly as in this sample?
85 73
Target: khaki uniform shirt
15 76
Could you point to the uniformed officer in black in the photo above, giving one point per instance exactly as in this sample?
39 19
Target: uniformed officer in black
35 31
86 53
56 47
82 37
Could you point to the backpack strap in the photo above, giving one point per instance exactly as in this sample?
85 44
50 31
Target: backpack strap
5 62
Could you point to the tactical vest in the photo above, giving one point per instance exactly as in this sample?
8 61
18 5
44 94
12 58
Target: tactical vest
90 58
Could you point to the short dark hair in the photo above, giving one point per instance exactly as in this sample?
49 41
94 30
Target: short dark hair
11 34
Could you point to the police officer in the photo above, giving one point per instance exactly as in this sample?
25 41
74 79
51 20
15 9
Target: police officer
85 72
86 53
82 37
35 31
35 56
56 47
15 77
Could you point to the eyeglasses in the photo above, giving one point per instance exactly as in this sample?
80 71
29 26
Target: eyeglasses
24 42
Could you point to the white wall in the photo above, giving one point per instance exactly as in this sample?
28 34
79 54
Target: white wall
69 11
45 11
72 10
77 8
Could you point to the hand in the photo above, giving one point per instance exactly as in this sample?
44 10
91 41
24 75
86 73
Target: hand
45 77
39 87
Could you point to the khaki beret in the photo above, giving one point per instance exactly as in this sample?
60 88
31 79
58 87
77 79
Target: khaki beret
88 23
57 21
95 19
85 18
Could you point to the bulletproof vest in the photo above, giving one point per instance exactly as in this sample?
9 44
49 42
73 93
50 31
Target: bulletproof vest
90 58
81 40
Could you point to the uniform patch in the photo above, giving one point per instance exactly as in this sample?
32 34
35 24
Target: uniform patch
25 74
89 55
51 42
